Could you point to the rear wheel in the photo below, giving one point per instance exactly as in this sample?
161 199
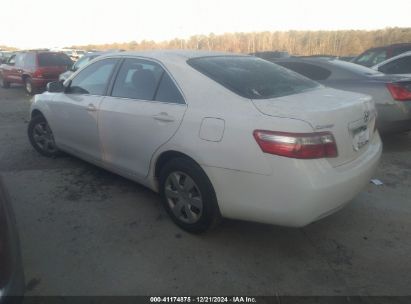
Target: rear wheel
28 86
188 196
3 83
41 137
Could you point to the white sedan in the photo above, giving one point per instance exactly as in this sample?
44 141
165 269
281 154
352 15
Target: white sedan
216 134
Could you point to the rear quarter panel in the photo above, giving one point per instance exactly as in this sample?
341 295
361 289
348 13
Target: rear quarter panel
237 150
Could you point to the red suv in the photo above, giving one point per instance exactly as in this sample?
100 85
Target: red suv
33 69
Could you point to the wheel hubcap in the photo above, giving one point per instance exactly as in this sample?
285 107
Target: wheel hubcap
183 197
43 137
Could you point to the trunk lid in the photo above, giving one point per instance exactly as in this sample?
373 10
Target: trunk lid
350 117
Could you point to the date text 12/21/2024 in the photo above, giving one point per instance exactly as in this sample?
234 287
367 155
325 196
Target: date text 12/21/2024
208 299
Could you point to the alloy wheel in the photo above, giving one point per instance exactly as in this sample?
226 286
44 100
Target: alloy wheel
43 137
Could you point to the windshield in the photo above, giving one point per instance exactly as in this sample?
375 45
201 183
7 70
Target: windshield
83 61
252 77
371 58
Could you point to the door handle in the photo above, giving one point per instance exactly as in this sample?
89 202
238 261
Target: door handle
91 108
163 117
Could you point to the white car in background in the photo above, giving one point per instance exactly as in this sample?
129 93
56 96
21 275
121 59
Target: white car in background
398 65
216 134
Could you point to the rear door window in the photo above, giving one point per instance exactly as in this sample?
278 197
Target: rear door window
252 77
30 60
54 59
167 91
137 79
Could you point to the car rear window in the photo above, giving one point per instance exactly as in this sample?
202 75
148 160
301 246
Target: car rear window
54 59
252 77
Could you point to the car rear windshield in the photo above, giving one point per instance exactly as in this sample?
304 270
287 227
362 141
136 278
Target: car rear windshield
54 59
252 77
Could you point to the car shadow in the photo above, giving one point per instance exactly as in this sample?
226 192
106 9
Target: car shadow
396 142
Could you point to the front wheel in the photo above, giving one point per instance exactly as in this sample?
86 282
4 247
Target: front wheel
41 137
188 196
29 87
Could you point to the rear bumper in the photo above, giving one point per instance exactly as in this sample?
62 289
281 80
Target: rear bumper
297 193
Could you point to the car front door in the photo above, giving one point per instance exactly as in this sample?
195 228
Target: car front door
75 112
144 110
18 68
9 70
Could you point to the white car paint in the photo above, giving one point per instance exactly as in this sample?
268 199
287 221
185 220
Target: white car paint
215 128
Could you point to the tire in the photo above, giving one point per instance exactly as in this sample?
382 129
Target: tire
29 87
188 196
3 83
41 137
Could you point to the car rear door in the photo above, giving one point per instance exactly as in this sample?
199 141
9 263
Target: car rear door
75 112
143 112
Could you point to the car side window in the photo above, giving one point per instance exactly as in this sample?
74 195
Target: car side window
137 79
20 59
399 66
12 60
30 60
93 79
167 91
308 70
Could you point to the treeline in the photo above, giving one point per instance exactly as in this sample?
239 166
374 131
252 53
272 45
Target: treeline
7 48
339 43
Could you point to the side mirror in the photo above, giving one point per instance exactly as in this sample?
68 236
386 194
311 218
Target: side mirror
55 87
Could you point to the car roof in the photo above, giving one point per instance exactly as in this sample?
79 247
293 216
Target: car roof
172 55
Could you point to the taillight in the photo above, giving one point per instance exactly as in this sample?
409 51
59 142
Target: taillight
297 145
400 92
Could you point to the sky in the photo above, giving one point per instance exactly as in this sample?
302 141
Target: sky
53 23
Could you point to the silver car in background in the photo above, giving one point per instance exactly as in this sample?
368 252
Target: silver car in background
398 65
79 64
391 93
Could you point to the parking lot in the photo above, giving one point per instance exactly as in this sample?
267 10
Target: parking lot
85 231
